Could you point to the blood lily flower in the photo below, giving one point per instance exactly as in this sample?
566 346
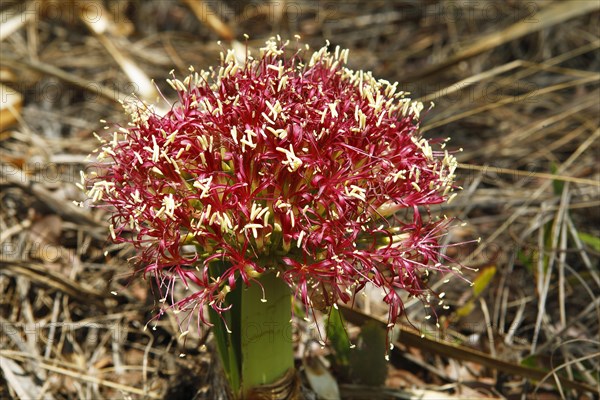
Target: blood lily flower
281 163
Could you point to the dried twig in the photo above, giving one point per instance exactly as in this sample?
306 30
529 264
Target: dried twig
550 15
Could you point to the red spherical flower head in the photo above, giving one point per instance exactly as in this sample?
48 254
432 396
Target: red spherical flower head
276 163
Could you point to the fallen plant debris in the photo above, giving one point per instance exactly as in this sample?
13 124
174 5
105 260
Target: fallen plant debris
515 85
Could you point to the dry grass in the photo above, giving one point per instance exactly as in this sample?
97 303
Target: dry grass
516 85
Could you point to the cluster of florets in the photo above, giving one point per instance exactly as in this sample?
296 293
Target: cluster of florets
303 167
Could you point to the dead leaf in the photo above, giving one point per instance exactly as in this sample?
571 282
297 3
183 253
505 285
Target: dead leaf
11 103
21 382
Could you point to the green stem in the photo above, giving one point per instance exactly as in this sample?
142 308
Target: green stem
259 349
266 342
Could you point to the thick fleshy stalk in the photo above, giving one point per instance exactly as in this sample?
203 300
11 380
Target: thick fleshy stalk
266 329
255 339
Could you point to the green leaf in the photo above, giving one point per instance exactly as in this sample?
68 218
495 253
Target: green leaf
557 185
480 283
338 338
590 240
228 344
368 364
526 259
466 309
530 362
483 280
